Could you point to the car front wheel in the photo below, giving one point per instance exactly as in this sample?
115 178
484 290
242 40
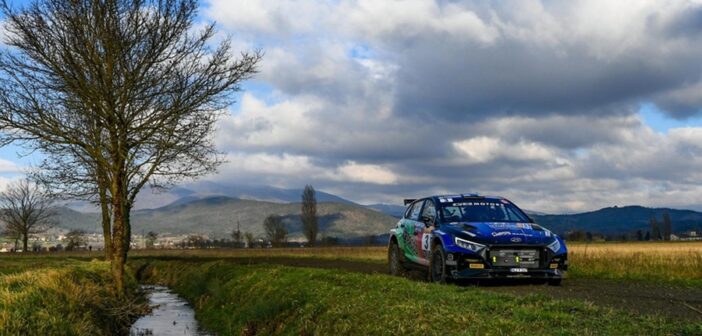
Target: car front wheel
437 265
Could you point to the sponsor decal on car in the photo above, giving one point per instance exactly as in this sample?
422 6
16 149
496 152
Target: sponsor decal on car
501 233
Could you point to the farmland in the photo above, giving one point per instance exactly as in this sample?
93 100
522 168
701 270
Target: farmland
613 288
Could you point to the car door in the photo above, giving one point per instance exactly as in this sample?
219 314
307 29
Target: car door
410 228
425 226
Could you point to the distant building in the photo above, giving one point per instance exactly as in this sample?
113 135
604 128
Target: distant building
687 236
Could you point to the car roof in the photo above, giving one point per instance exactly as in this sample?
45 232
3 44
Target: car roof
466 196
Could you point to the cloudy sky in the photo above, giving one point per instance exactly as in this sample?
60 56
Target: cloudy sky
561 106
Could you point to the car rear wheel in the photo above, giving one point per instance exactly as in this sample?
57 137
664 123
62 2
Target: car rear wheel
437 265
394 265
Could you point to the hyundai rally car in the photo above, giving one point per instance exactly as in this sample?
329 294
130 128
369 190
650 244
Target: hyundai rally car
474 237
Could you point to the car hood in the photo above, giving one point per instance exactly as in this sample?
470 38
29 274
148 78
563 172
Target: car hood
501 233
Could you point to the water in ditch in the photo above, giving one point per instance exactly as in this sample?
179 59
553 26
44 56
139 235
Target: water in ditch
170 315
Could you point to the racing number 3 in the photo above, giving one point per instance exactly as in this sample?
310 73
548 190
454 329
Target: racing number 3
426 242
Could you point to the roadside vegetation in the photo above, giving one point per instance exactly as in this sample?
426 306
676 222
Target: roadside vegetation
267 299
51 296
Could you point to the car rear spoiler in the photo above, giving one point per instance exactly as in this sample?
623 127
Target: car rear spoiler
409 200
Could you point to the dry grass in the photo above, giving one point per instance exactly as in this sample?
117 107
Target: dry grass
651 261
74 298
657 261
369 253
654 261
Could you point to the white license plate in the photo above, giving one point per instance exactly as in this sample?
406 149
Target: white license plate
518 270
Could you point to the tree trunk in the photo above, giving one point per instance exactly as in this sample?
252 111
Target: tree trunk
106 223
119 230
25 238
127 230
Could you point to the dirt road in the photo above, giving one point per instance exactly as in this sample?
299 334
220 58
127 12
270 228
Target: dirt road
673 301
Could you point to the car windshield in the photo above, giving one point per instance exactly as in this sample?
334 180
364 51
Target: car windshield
482 211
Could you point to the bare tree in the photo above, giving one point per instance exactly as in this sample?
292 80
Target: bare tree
236 235
69 174
667 226
124 88
249 239
75 239
25 210
151 238
655 229
310 225
275 229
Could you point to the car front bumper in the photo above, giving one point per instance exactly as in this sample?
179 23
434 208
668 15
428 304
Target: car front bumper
507 274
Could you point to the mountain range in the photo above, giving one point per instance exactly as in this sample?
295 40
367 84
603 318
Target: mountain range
218 216
621 220
215 209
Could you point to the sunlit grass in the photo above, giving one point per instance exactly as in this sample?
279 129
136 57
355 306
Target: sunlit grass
234 299
69 298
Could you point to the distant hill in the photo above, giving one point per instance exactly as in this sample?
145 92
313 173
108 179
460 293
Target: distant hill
152 199
218 216
393 210
619 220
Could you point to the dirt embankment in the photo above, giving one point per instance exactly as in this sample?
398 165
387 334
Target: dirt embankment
674 301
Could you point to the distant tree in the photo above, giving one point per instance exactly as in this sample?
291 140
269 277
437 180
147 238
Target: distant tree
639 235
25 210
331 241
151 239
576 235
588 236
275 229
195 241
75 239
647 237
236 235
249 239
310 222
655 229
667 226
370 240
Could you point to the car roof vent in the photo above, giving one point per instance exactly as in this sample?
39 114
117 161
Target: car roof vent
409 200
472 195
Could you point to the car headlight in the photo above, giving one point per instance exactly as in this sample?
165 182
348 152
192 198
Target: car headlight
469 245
555 246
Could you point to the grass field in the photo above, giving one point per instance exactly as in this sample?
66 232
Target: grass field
52 296
66 292
271 299
679 262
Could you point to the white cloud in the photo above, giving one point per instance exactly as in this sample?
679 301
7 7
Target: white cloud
367 173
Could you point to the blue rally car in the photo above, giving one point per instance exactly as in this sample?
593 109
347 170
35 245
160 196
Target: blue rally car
474 237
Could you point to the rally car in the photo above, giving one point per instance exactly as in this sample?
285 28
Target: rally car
470 236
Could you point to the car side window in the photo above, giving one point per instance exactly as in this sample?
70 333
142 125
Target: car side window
416 209
429 210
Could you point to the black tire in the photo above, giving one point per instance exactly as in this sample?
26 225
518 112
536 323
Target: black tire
555 282
437 265
394 264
